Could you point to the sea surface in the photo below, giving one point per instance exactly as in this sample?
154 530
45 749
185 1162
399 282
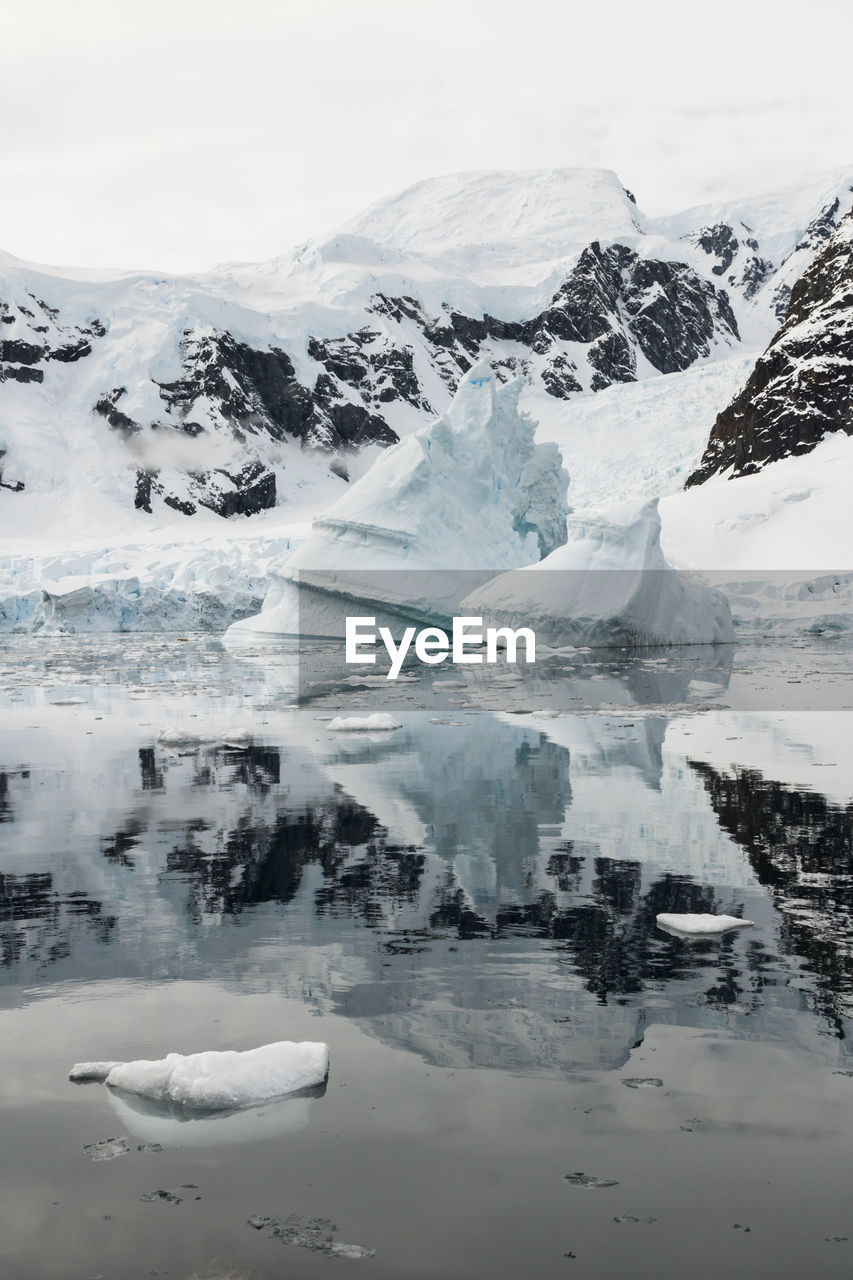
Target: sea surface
528 1075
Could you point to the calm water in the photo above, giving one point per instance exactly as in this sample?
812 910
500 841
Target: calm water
465 911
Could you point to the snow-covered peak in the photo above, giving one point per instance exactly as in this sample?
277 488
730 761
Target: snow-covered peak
541 211
777 219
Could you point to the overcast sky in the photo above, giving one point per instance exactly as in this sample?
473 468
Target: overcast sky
176 135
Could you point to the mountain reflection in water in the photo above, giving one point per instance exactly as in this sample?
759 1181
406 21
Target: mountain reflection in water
454 888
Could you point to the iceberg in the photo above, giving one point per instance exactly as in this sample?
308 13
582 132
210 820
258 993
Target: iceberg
470 493
691 922
217 1080
609 585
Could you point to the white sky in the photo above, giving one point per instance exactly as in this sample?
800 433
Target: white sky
138 133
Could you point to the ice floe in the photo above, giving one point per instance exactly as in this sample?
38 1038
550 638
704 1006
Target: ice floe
690 922
378 721
218 1080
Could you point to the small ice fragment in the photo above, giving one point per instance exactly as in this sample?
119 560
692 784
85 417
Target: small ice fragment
580 1179
316 1234
643 1082
696 922
380 720
168 1196
91 1072
106 1149
177 737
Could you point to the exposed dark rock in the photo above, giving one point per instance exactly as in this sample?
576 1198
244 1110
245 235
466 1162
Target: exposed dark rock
614 303
21 373
38 336
118 420
721 243
242 492
255 390
17 351
5 484
144 483
370 362
802 386
820 228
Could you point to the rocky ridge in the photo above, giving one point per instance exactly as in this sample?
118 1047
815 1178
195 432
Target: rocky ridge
801 388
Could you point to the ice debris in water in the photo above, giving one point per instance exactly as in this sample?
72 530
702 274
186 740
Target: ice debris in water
169 1196
581 1179
643 1082
177 736
218 1080
696 922
316 1234
380 720
106 1149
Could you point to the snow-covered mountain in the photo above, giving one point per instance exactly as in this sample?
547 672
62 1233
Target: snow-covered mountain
131 402
801 388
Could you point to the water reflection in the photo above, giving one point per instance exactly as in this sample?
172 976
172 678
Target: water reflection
801 847
155 1125
479 891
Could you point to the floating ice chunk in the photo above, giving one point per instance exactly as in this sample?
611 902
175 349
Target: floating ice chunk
91 1072
316 1234
177 736
364 724
643 1082
220 1080
690 922
106 1149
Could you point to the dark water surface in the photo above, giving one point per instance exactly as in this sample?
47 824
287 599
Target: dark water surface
464 909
